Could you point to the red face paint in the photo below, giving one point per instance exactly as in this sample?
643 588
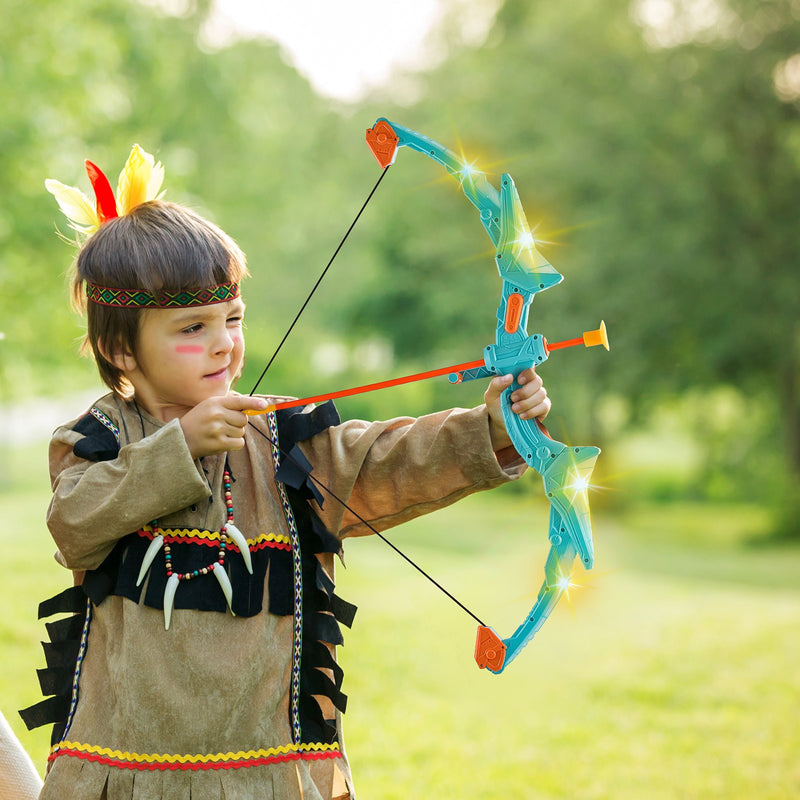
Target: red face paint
189 348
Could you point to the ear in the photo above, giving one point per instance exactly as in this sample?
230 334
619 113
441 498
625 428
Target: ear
123 360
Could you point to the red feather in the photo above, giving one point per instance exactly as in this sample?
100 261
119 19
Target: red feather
104 194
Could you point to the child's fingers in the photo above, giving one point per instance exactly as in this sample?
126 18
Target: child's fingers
530 399
496 387
244 402
535 405
529 380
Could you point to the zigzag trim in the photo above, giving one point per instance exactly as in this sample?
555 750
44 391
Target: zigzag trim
211 538
314 751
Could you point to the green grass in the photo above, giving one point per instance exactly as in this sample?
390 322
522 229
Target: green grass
30 575
672 673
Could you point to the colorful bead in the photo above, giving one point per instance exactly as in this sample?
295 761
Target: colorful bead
223 544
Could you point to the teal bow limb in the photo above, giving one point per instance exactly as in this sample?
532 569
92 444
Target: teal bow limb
566 473
565 470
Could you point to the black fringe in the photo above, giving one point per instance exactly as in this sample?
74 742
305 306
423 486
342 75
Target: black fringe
323 610
61 656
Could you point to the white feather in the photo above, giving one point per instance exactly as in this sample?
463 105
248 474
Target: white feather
75 205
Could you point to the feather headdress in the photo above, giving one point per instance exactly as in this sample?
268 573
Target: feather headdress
139 181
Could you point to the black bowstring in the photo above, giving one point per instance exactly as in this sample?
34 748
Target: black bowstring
299 466
361 519
319 281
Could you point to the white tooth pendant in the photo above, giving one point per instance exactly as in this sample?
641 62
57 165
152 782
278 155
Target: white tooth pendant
169 598
224 582
155 546
238 537
174 578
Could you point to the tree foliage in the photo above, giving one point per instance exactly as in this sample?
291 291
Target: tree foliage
658 156
242 136
665 163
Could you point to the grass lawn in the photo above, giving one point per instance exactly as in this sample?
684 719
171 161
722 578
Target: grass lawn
671 673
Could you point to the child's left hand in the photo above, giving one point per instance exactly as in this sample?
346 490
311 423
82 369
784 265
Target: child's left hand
530 400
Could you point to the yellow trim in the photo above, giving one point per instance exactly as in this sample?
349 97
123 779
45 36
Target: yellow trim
213 536
209 758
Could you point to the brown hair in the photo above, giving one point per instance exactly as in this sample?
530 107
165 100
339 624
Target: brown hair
157 246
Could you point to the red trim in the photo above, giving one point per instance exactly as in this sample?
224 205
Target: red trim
311 755
215 543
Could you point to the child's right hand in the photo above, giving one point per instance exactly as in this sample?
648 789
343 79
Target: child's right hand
218 424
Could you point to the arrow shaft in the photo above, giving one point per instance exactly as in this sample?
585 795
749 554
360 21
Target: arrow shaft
566 343
370 387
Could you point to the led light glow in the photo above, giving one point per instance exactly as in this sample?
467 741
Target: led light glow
468 171
580 485
565 583
525 239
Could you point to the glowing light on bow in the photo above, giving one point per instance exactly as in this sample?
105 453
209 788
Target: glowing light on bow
565 471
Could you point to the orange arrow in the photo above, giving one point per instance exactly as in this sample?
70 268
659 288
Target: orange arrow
370 387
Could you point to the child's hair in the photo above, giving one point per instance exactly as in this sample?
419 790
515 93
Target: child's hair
157 246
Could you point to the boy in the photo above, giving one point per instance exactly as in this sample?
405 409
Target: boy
205 657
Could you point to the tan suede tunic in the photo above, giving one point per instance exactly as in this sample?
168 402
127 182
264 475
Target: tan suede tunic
201 710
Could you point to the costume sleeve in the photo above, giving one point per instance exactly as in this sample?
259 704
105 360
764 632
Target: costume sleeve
96 503
390 472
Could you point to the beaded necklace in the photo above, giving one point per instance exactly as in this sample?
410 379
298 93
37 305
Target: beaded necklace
228 532
223 536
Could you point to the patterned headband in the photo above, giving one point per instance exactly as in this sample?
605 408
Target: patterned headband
137 298
139 182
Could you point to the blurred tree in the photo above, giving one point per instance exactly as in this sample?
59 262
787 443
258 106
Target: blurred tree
234 125
670 143
656 149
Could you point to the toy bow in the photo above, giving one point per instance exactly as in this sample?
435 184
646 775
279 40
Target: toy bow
565 471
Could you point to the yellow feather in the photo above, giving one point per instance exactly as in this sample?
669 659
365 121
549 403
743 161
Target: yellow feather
76 206
139 180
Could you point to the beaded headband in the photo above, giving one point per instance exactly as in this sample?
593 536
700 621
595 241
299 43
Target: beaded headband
139 182
137 298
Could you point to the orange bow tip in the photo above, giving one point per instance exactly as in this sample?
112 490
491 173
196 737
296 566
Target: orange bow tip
490 650
382 140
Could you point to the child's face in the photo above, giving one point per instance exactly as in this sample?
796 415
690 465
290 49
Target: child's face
186 355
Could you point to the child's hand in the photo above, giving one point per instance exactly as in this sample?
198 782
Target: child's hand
529 401
218 423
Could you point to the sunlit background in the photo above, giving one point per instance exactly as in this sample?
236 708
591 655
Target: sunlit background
655 145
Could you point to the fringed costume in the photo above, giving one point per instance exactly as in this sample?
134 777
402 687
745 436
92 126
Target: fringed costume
238 698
